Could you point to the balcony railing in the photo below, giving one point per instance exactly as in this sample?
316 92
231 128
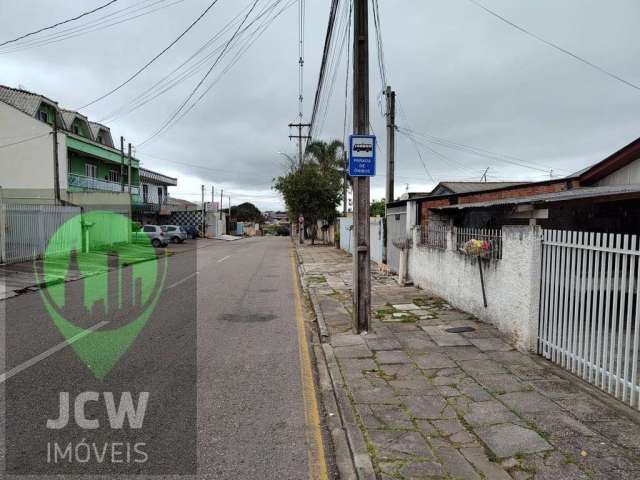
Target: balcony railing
91 183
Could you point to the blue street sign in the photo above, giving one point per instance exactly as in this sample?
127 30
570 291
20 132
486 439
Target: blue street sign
362 155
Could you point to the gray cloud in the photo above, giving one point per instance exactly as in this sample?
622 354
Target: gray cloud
459 73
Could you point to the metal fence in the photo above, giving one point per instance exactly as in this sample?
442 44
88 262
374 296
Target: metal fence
92 183
25 230
434 236
481 242
590 308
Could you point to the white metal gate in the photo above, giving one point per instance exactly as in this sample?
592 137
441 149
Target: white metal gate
25 229
590 310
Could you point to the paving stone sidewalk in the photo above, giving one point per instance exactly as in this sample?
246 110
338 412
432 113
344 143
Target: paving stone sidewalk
436 404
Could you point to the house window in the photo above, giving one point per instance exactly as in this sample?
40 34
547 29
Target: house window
42 115
101 139
160 194
114 176
145 193
91 170
75 129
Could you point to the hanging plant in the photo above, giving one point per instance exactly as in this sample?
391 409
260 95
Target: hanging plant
477 248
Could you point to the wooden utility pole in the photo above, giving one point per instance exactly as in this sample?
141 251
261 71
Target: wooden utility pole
345 184
361 257
129 181
300 137
56 167
122 163
203 215
220 207
391 142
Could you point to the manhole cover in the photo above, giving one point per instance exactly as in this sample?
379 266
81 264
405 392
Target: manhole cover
460 329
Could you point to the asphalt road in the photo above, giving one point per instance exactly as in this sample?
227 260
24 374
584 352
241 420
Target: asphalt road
219 357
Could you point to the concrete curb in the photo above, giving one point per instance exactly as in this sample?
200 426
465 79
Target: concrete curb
352 455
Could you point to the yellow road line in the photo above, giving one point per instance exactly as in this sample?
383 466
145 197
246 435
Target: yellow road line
317 461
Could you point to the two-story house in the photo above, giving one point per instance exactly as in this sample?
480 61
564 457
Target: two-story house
154 196
91 171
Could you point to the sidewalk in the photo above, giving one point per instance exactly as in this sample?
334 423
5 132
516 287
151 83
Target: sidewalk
421 402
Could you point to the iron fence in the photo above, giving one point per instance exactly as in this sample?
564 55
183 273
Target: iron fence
479 242
434 236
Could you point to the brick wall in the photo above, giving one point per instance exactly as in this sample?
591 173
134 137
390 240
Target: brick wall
513 192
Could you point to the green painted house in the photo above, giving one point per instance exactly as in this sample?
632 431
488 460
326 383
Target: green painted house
93 172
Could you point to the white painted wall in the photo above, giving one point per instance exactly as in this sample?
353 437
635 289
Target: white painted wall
512 283
376 242
28 166
628 175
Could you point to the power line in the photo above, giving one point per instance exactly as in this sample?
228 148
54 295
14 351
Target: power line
58 24
335 58
145 66
255 36
146 96
553 45
116 18
323 65
477 151
192 93
380 50
24 140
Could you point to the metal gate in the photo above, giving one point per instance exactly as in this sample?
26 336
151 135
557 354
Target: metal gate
25 229
590 310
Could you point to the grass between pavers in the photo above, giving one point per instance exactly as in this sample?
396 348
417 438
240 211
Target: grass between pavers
315 279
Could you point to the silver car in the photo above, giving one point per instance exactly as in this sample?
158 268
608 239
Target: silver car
174 233
150 233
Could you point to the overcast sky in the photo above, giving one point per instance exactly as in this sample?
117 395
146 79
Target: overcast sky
459 73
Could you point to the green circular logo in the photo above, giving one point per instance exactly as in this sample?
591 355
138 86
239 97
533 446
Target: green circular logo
102 280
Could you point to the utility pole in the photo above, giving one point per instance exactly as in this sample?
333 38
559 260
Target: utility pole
300 126
391 162
129 181
122 163
345 184
229 213
484 175
203 213
221 192
391 142
361 257
56 167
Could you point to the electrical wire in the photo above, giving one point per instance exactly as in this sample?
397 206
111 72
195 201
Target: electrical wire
323 65
77 17
146 65
166 124
24 140
116 18
164 84
555 46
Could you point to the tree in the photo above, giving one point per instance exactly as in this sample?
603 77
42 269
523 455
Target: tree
313 191
326 155
377 208
246 212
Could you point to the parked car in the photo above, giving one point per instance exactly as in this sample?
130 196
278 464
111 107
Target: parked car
175 233
149 233
192 231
